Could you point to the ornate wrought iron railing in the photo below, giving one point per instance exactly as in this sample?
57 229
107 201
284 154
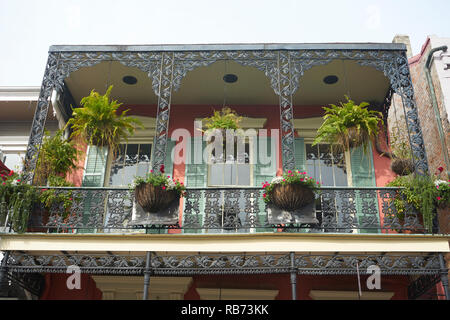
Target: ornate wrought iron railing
226 210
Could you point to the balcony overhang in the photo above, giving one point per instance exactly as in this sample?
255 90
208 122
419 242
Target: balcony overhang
259 242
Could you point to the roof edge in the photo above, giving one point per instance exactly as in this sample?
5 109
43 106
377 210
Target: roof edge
223 47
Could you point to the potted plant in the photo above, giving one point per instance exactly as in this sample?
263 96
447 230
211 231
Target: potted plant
99 123
59 201
443 203
416 191
57 157
16 197
349 125
401 163
291 191
156 192
223 120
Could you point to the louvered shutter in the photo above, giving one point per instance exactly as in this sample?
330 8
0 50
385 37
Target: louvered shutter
363 175
263 172
196 177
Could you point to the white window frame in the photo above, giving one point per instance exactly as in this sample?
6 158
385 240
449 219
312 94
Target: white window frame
109 163
346 157
250 141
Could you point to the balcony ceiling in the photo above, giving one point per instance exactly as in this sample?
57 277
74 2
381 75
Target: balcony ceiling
205 85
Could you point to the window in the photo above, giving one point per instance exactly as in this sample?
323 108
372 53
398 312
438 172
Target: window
326 164
133 159
236 170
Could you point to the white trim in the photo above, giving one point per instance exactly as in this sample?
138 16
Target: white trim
19 93
257 242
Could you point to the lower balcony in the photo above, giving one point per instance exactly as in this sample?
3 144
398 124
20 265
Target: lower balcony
223 210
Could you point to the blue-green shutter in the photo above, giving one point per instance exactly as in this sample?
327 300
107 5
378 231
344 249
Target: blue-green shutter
196 175
94 176
363 175
262 173
300 156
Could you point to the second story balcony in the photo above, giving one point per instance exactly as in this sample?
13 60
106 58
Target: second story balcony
279 92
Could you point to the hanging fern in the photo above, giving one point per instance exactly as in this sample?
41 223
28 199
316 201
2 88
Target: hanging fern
98 122
348 125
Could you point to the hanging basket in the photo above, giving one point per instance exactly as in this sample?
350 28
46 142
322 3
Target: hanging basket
154 199
291 197
402 167
353 138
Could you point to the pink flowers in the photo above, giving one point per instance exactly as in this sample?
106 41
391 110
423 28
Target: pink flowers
163 187
439 198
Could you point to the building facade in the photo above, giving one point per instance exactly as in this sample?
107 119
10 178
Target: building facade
221 242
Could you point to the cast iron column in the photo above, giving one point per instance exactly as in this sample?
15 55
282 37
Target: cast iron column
286 110
3 277
163 112
293 277
147 272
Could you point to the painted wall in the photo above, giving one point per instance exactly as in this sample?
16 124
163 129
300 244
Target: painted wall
305 283
56 288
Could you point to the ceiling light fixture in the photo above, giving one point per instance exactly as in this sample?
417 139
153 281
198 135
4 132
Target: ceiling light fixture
230 78
129 80
331 79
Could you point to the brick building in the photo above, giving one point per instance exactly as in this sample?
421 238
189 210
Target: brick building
433 102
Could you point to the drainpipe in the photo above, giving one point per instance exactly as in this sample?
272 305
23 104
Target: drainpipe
435 105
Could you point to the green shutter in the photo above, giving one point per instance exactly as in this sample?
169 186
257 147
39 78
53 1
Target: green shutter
262 173
94 176
300 156
196 175
363 175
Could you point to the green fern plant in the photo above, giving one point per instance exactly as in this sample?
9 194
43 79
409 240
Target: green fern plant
98 122
57 157
349 125
223 119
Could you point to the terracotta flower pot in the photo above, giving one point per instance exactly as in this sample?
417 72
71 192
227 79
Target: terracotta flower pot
402 167
291 197
154 199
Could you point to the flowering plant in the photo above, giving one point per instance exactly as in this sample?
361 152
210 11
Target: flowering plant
290 177
18 197
159 179
443 191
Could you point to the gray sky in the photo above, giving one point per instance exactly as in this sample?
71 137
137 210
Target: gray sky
28 27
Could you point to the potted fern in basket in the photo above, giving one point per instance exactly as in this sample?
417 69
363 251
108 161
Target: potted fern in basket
349 125
99 123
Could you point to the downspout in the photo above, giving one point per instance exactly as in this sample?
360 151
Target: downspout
435 105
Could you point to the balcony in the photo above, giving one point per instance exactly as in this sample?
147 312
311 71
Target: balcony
224 210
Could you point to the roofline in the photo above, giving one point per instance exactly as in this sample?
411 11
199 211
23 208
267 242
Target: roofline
19 93
226 47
